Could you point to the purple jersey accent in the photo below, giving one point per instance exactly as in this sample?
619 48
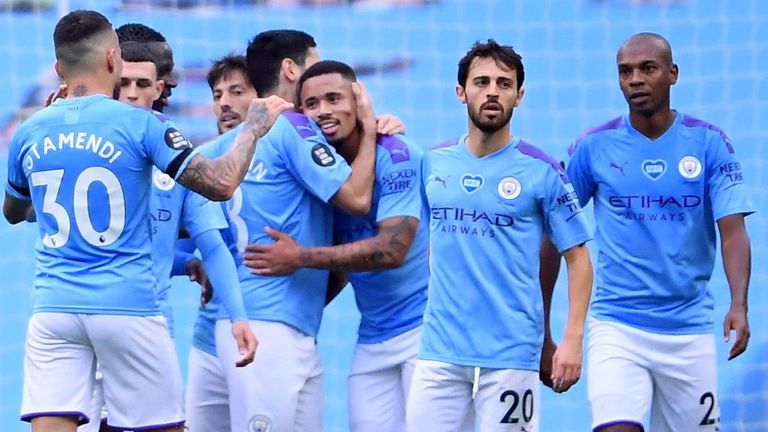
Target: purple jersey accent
398 150
693 122
160 116
301 123
611 124
537 153
451 142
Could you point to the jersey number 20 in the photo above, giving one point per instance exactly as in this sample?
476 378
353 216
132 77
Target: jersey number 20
115 199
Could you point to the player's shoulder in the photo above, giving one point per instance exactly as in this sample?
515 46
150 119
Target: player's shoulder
297 122
596 133
539 157
704 131
396 149
221 144
446 146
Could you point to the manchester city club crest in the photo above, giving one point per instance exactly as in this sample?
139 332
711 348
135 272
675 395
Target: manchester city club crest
509 188
260 423
689 167
163 181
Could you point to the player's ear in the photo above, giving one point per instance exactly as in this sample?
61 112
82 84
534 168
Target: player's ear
290 70
520 94
674 72
461 94
159 86
111 60
57 67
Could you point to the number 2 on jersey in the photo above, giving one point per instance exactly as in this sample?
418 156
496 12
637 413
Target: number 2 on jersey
527 406
52 179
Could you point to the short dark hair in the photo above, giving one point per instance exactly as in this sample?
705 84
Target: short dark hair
266 52
137 32
136 52
325 67
72 33
223 68
499 53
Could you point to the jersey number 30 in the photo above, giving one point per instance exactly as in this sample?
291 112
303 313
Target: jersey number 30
115 199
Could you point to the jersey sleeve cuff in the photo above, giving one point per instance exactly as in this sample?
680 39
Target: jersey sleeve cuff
17 192
180 162
732 211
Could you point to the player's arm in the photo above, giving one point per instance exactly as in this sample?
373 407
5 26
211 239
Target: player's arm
218 178
568 357
549 268
17 210
737 262
385 250
355 195
222 272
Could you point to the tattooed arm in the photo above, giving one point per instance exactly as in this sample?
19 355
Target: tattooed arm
218 179
385 250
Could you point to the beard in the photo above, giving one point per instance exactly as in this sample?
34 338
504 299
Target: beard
487 125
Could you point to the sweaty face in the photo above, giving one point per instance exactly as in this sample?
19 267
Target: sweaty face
329 101
490 93
645 75
138 84
232 95
164 55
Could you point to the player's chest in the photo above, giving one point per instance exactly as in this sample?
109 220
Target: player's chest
482 189
674 172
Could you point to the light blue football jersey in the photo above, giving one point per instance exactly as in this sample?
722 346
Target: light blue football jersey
293 175
171 207
86 163
487 219
656 203
391 302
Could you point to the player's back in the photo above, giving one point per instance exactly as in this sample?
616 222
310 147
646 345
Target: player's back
88 168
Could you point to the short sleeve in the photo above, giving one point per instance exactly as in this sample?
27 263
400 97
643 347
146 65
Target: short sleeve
398 173
18 185
580 172
201 214
309 157
565 221
167 148
725 179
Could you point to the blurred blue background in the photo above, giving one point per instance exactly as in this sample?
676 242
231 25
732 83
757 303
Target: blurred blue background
407 56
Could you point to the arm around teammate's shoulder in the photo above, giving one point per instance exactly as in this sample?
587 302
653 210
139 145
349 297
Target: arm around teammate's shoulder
355 195
217 179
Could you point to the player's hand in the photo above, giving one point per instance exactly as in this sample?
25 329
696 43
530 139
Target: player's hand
736 320
365 116
197 274
545 365
566 364
279 258
389 124
262 114
246 342
59 93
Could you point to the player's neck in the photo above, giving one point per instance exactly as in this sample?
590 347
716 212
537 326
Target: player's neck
79 86
482 144
654 125
348 147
